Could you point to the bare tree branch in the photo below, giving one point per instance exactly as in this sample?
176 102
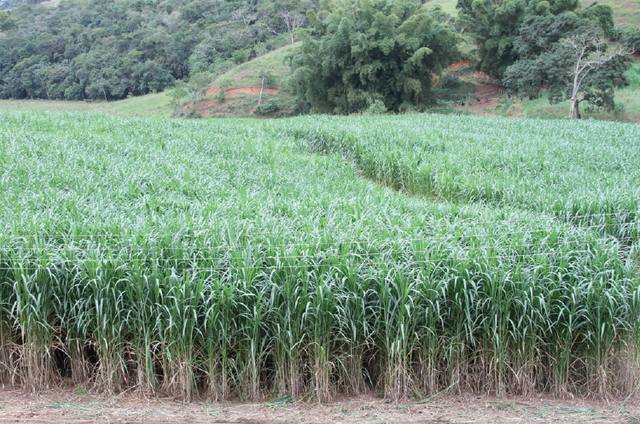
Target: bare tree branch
591 53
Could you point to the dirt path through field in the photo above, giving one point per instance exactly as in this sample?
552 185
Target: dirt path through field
487 91
486 98
62 406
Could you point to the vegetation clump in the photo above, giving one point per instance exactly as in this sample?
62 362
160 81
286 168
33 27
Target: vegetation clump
360 52
97 50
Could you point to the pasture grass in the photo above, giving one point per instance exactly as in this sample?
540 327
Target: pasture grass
155 105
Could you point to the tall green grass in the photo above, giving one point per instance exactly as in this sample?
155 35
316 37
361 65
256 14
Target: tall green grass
584 173
218 259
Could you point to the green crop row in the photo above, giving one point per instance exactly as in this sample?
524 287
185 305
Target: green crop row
220 259
585 173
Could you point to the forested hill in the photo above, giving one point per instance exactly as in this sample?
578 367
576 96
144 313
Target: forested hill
96 49
7 4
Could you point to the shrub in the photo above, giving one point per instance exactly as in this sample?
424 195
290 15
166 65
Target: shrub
631 39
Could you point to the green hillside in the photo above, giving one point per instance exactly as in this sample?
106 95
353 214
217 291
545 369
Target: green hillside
111 50
238 99
247 75
242 86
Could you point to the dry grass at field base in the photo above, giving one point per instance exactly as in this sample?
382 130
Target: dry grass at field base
66 406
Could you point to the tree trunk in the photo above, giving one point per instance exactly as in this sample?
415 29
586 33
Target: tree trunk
575 108
261 90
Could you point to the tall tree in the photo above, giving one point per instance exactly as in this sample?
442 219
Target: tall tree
286 16
360 52
580 66
590 56
5 21
495 25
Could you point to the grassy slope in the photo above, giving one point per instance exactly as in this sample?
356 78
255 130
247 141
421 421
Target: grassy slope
159 104
151 105
249 74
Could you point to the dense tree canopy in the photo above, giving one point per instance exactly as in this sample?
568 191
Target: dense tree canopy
497 26
360 53
567 56
8 4
536 46
5 21
95 49
631 38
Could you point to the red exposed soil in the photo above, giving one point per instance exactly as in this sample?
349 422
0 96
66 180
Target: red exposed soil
486 97
204 107
457 65
487 91
212 107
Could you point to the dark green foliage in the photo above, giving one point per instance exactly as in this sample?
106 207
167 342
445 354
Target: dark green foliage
361 52
538 32
631 39
503 28
8 4
554 68
493 24
522 43
92 49
542 62
5 21
601 15
268 108
599 87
